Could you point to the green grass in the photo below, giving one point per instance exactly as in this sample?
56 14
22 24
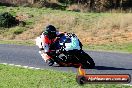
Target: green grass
17 77
18 42
11 33
125 48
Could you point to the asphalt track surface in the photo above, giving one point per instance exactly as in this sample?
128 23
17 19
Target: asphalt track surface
106 62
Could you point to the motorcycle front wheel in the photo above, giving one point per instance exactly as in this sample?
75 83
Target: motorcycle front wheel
86 61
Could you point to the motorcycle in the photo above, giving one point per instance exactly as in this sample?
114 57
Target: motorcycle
68 52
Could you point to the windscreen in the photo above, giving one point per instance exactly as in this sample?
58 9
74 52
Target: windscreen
65 39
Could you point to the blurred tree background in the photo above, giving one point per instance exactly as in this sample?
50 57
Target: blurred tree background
77 5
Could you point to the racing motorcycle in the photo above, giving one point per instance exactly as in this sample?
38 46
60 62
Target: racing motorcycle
68 52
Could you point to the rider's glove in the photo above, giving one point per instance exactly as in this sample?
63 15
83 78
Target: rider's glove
57 51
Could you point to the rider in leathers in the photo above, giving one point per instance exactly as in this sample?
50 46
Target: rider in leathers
46 39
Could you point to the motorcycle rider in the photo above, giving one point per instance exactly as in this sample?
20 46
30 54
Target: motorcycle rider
46 39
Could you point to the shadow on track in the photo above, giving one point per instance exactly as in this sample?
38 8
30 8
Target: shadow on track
109 68
99 68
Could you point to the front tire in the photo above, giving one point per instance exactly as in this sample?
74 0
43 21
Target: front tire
87 61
